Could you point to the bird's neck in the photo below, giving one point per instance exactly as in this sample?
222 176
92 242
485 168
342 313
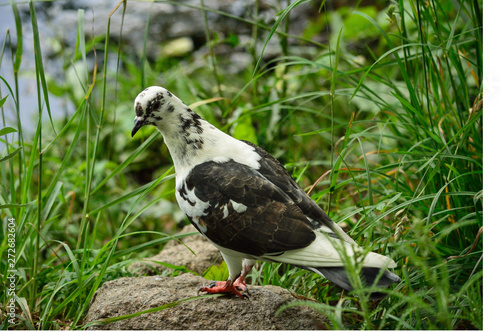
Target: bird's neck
191 141
184 134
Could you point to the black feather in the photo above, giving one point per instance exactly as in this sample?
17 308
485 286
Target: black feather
369 275
272 222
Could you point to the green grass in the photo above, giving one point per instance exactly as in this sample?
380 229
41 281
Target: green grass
391 104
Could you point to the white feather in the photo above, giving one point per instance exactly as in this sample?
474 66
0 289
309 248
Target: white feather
226 212
192 206
218 147
234 264
325 251
238 207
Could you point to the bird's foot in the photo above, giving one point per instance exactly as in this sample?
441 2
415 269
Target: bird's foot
226 287
241 285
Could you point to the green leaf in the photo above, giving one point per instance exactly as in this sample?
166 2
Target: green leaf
245 130
39 66
217 272
10 155
7 130
2 101
12 206
127 161
233 40
19 35
357 27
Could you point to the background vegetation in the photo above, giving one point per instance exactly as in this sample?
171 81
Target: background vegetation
382 120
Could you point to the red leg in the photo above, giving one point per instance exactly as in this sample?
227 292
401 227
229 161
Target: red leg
222 287
240 281
241 284
235 287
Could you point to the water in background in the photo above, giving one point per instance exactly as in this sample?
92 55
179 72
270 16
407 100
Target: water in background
28 99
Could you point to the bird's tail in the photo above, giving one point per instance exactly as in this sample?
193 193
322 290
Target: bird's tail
369 276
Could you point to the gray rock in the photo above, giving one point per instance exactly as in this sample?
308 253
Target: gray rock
194 253
130 295
169 21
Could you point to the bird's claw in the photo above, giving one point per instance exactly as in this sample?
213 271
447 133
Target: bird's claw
200 289
224 287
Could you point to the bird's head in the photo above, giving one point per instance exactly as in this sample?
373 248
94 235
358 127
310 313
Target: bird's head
153 105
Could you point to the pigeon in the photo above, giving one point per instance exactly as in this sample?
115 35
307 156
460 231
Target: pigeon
248 206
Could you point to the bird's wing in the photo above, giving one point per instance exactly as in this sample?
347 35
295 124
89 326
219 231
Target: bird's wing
332 245
239 209
274 171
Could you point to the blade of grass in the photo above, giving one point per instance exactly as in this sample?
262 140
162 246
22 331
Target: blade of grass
39 63
127 161
275 26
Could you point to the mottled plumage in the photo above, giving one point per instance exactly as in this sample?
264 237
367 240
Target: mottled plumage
246 204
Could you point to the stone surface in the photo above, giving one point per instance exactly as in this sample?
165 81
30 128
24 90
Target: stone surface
168 21
194 253
129 295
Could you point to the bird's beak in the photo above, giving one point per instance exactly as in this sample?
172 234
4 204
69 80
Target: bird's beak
138 123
